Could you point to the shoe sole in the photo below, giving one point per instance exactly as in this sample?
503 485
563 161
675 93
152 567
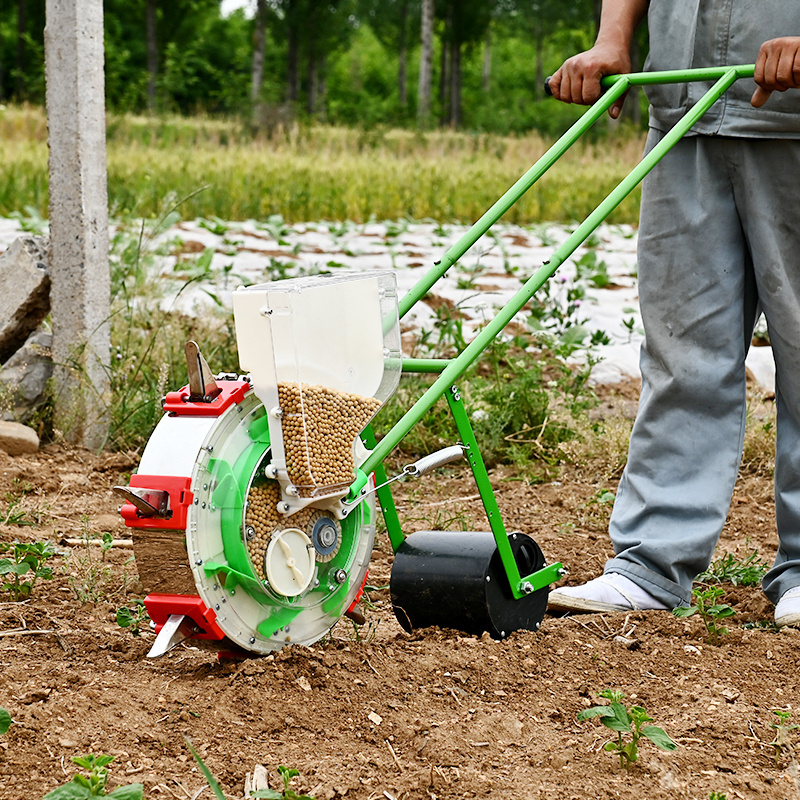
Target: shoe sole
563 602
791 620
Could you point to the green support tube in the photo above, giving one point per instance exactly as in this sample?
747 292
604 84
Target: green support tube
520 585
460 364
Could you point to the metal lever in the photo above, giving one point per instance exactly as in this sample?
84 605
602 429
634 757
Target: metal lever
202 386
148 502
434 460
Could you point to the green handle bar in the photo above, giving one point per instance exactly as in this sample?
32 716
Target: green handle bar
723 77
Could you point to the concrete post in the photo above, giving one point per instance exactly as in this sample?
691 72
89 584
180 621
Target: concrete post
80 294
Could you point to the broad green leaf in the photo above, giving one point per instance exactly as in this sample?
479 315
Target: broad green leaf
270 794
69 791
5 721
618 720
659 737
595 711
684 611
134 791
9 567
721 611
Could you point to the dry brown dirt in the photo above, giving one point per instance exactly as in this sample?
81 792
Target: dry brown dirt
376 713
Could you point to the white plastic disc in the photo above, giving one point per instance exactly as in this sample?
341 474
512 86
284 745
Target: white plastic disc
290 562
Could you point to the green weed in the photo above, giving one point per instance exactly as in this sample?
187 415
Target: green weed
288 793
728 568
709 610
94 785
629 725
24 565
88 575
285 773
782 741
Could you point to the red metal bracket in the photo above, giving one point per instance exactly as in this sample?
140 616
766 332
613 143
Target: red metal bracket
180 498
359 593
178 403
161 606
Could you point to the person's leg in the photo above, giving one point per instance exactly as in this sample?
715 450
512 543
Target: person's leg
766 193
698 305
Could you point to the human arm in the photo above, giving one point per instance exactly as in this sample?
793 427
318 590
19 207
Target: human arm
578 79
777 68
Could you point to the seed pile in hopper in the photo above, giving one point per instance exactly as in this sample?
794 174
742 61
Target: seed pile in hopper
263 517
319 427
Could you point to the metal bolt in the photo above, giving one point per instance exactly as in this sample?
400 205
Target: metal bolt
340 576
327 535
205 487
197 501
562 572
233 592
199 562
250 533
216 607
252 640
202 505
514 536
488 578
527 587
537 626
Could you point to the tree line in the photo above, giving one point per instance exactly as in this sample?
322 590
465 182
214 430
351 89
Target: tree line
475 64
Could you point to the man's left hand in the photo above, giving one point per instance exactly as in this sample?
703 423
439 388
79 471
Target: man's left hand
777 68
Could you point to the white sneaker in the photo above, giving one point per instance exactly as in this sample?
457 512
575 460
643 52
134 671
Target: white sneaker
609 592
787 612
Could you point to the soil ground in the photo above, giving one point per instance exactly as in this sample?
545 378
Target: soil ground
373 712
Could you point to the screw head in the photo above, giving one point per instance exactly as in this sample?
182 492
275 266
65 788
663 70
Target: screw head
340 576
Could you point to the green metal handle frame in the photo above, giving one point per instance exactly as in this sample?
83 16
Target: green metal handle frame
724 78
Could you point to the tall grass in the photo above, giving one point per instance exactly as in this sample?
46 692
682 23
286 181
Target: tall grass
316 172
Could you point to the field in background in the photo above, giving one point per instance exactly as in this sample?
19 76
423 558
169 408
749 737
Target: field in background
317 172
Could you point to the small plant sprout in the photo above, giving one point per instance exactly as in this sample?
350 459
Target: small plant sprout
710 611
288 793
782 741
82 787
23 566
5 721
627 723
133 617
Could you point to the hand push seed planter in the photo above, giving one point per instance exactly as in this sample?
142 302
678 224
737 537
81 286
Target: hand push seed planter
254 507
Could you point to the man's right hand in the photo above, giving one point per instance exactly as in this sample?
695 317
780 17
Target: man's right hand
578 79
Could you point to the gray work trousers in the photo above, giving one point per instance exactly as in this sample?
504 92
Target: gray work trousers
719 240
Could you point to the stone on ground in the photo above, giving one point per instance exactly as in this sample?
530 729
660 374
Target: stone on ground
24 292
17 439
